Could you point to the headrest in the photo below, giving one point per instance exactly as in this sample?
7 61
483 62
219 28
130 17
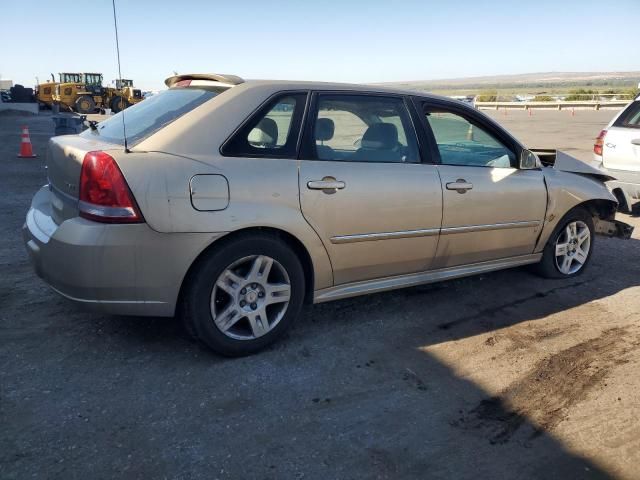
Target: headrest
324 129
264 133
380 136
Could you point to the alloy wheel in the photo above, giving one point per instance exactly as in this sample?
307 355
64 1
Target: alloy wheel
572 247
250 297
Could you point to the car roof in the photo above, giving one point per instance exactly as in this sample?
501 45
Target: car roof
226 80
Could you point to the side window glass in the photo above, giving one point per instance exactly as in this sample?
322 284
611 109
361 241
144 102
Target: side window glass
360 128
461 142
272 132
631 118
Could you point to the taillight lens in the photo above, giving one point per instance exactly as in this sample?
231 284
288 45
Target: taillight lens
104 194
597 146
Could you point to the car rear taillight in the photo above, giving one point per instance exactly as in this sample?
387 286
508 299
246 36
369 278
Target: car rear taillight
597 146
104 194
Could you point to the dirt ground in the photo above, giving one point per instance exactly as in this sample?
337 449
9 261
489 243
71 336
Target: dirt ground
499 376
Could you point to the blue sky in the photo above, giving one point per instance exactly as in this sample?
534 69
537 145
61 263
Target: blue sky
353 41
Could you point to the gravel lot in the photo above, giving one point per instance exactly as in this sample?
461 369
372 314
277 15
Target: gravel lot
504 375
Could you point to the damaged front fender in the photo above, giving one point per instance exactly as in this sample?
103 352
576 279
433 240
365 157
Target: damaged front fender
567 190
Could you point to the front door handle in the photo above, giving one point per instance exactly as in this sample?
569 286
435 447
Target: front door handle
460 185
636 141
327 185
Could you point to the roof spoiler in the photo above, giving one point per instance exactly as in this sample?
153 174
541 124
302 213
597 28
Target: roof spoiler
214 77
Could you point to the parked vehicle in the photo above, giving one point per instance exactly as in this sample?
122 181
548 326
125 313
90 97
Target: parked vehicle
231 203
617 152
46 91
84 96
122 96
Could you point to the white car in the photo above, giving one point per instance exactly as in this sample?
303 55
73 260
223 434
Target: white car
617 150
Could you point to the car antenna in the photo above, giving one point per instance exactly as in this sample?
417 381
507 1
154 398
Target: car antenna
115 26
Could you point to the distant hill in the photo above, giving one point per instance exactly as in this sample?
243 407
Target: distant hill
531 82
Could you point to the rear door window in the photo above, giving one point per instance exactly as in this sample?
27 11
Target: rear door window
147 117
363 128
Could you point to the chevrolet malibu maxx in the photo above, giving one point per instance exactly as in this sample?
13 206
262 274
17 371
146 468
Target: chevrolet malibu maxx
230 203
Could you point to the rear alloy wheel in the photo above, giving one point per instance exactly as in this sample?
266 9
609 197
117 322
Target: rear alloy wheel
250 297
85 104
243 294
569 248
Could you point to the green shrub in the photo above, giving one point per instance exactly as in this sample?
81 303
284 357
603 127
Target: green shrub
487 96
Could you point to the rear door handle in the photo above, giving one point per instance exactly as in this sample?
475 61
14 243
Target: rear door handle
460 185
636 141
327 184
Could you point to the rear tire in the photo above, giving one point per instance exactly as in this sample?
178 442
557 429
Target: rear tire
85 104
243 294
570 246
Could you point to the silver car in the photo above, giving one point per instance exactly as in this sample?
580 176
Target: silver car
232 202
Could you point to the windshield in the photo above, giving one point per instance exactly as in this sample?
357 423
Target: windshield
152 114
70 78
93 78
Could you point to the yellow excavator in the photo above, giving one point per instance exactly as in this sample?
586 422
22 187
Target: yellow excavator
122 96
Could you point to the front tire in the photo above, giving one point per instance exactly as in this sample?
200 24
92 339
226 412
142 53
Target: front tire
243 294
569 249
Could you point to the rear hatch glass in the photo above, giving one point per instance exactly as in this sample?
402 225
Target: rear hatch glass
152 114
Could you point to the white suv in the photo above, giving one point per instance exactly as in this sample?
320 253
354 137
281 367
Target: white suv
617 149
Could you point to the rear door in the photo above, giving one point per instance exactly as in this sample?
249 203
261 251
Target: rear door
621 149
363 188
491 209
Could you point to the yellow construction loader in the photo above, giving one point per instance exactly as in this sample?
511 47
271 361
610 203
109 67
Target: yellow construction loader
122 96
83 96
45 91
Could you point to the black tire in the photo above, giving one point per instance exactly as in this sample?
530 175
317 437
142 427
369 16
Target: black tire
196 299
548 266
85 104
118 104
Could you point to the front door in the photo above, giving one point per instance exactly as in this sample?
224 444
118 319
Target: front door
363 189
491 209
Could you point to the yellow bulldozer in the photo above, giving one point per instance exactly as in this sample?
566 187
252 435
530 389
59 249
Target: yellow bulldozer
83 96
122 96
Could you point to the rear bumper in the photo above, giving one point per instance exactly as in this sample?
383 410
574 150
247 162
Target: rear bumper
116 269
627 181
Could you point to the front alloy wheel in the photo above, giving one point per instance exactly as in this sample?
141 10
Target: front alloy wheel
250 297
569 247
572 247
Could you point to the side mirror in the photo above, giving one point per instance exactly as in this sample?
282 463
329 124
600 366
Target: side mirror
529 160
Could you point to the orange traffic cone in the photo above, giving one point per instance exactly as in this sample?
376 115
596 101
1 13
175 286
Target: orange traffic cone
25 145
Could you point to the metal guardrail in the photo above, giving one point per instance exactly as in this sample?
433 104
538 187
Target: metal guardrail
554 104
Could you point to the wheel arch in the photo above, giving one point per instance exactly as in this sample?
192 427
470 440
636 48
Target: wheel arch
294 243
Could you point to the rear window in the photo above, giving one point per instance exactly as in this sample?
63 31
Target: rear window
152 114
630 117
